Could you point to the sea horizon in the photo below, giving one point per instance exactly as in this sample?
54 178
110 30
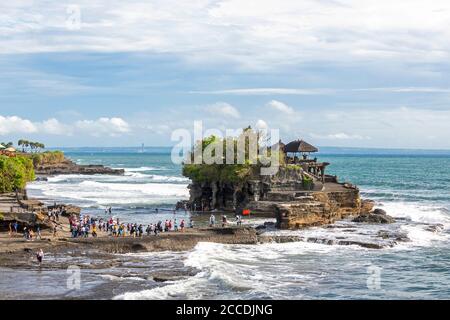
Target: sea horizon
323 150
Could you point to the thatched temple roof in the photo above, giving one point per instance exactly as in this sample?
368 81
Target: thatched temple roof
300 146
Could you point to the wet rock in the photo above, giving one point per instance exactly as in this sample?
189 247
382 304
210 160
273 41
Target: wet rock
165 278
269 224
379 211
367 206
260 232
374 218
172 276
397 236
435 228
138 247
368 245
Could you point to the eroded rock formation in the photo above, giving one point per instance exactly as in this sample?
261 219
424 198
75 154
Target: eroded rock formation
296 198
69 167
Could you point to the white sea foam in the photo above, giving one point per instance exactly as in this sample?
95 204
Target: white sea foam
107 191
243 270
420 237
144 169
289 270
111 277
418 212
158 178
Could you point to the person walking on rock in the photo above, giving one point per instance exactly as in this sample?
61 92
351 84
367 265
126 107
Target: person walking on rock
224 221
40 256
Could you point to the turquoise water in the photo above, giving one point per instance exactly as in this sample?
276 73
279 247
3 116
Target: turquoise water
396 177
412 186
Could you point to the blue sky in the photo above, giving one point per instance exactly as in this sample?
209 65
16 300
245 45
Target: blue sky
120 73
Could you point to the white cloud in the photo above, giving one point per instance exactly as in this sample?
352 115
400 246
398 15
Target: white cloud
254 34
14 124
223 109
280 106
53 126
109 126
339 136
407 90
103 126
261 125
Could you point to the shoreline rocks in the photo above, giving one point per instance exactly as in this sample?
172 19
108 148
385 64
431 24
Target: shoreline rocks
374 218
69 167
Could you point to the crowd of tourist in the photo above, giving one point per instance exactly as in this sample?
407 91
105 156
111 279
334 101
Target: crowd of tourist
86 225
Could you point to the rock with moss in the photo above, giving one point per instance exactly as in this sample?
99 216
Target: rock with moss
216 185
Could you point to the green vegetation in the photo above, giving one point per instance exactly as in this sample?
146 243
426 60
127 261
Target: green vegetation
294 167
15 172
48 157
307 182
234 173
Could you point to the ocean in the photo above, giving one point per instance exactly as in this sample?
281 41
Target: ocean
412 186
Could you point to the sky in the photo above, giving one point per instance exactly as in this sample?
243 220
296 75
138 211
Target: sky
350 73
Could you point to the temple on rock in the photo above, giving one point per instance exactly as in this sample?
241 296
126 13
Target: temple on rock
300 194
298 153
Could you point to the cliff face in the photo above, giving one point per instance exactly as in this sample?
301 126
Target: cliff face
294 197
230 196
320 208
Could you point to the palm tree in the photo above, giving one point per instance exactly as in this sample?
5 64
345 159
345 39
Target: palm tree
22 143
40 146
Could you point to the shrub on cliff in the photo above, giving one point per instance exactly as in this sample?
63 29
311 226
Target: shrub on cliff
307 182
216 147
15 172
48 157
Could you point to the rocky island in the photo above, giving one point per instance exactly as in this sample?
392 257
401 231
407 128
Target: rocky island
55 163
299 195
